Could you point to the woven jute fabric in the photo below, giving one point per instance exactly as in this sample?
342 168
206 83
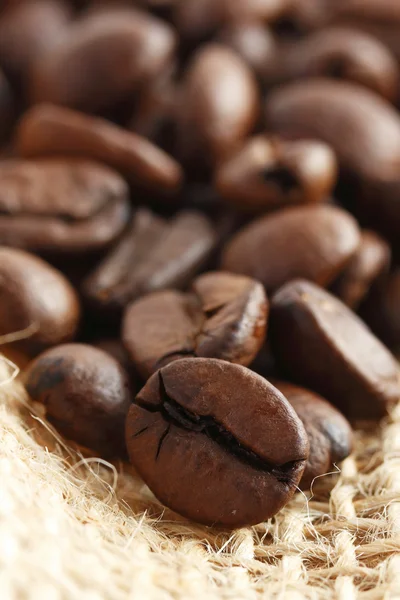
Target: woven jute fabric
74 527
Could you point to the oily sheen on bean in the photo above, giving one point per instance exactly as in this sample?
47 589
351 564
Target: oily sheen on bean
86 395
223 316
37 299
61 206
361 127
314 242
48 130
216 443
322 344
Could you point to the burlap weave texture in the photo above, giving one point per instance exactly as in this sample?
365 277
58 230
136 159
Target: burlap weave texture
74 528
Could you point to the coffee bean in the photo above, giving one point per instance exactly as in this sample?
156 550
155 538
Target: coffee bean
37 298
28 30
269 173
329 432
61 205
218 107
48 130
86 395
314 242
103 59
224 316
323 345
369 263
341 53
154 254
382 310
216 443
363 130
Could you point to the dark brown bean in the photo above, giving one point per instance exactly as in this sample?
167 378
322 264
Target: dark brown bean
314 242
28 30
219 104
103 59
363 130
61 205
269 173
50 130
323 345
86 395
329 432
382 310
369 263
342 53
154 254
208 454
224 316
37 298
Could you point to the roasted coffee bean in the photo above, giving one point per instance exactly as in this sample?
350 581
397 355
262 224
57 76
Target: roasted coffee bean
39 308
50 130
363 130
61 206
369 263
102 60
269 173
254 42
382 310
314 242
341 53
216 443
323 345
224 316
329 432
218 107
28 30
154 254
86 395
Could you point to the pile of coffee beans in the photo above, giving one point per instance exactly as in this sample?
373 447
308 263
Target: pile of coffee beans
200 235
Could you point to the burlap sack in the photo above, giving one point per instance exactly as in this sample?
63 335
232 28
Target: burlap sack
75 528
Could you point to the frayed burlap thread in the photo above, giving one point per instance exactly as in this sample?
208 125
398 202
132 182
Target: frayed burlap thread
74 527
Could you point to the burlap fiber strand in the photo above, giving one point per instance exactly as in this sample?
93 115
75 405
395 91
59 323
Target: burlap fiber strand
73 528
